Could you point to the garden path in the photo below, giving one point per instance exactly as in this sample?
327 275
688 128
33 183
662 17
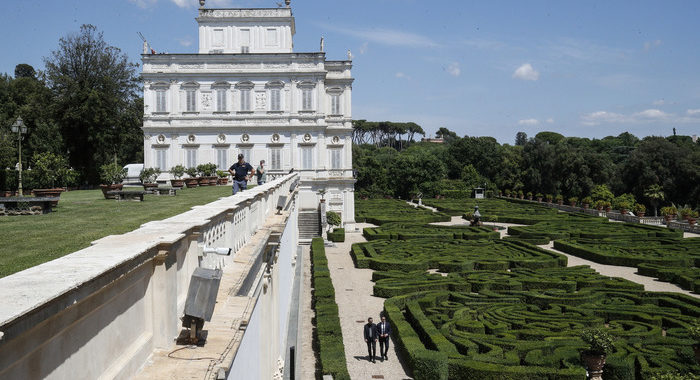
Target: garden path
353 293
628 273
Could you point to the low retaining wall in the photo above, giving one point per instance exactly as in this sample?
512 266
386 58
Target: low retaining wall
101 311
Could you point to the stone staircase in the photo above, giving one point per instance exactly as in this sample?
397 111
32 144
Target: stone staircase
309 225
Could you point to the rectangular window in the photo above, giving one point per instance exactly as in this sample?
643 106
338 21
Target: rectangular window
276 158
307 157
191 157
271 37
245 100
335 105
218 37
221 161
221 100
245 40
161 159
275 99
191 100
336 158
307 99
160 101
246 154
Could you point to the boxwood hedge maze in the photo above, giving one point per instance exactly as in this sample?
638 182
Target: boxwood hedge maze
506 309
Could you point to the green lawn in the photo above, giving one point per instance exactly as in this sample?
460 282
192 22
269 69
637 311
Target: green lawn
84 216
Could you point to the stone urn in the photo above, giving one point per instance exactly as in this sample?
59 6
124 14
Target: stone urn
177 183
107 188
594 364
49 193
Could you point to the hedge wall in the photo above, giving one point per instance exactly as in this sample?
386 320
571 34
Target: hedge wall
328 337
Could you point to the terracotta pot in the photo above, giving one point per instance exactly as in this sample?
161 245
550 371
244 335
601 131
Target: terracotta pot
5 193
572 204
56 192
203 181
586 206
150 186
594 363
623 211
223 181
539 199
179 183
560 203
213 180
608 209
521 196
191 182
529 198
106 188
692 221
640 214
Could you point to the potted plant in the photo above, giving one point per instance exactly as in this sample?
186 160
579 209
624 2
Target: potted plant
623 206
148 178
692 218
223 177
529 195
669 213
549 198
521 195
211 174
600 343
607 205
560 199
177 171
587 202
51 175
573 201
539 197
639 209
192 180
694 332
507 192
684 212
111 176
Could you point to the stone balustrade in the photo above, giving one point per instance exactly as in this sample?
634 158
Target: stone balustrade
100 312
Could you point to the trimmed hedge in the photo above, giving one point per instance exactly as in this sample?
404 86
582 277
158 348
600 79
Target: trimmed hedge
328 337
407 230
380 211
338 235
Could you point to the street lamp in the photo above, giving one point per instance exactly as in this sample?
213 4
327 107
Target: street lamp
20 129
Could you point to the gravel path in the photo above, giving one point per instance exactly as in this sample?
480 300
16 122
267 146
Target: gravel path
628 273
353 293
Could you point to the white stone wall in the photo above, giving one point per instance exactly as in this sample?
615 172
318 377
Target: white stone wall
100 312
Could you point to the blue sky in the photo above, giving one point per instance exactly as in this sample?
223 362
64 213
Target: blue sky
479 68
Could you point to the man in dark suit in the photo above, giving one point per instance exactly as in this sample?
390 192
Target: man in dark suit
371 339
384 332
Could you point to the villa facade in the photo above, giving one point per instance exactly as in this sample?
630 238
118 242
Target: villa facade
246 91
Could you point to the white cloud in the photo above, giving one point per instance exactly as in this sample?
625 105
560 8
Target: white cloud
549 121
528 122
383 36
144 3
652 114
526 72
453 69
187 41
648 45
595 118
693 112
402 75
363 47
659 102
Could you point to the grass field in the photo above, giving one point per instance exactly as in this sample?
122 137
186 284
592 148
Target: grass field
84 216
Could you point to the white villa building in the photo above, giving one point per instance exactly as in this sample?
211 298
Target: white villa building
246 91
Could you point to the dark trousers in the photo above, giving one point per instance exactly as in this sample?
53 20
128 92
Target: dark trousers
383 346
372 348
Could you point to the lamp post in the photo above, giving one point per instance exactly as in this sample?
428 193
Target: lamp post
20 128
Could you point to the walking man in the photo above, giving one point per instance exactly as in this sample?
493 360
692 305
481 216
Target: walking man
261 173
384 332
241 172
371 339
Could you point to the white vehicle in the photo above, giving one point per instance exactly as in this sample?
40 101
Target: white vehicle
133 171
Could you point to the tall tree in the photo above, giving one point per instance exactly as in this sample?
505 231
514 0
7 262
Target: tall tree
520 138
94 85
